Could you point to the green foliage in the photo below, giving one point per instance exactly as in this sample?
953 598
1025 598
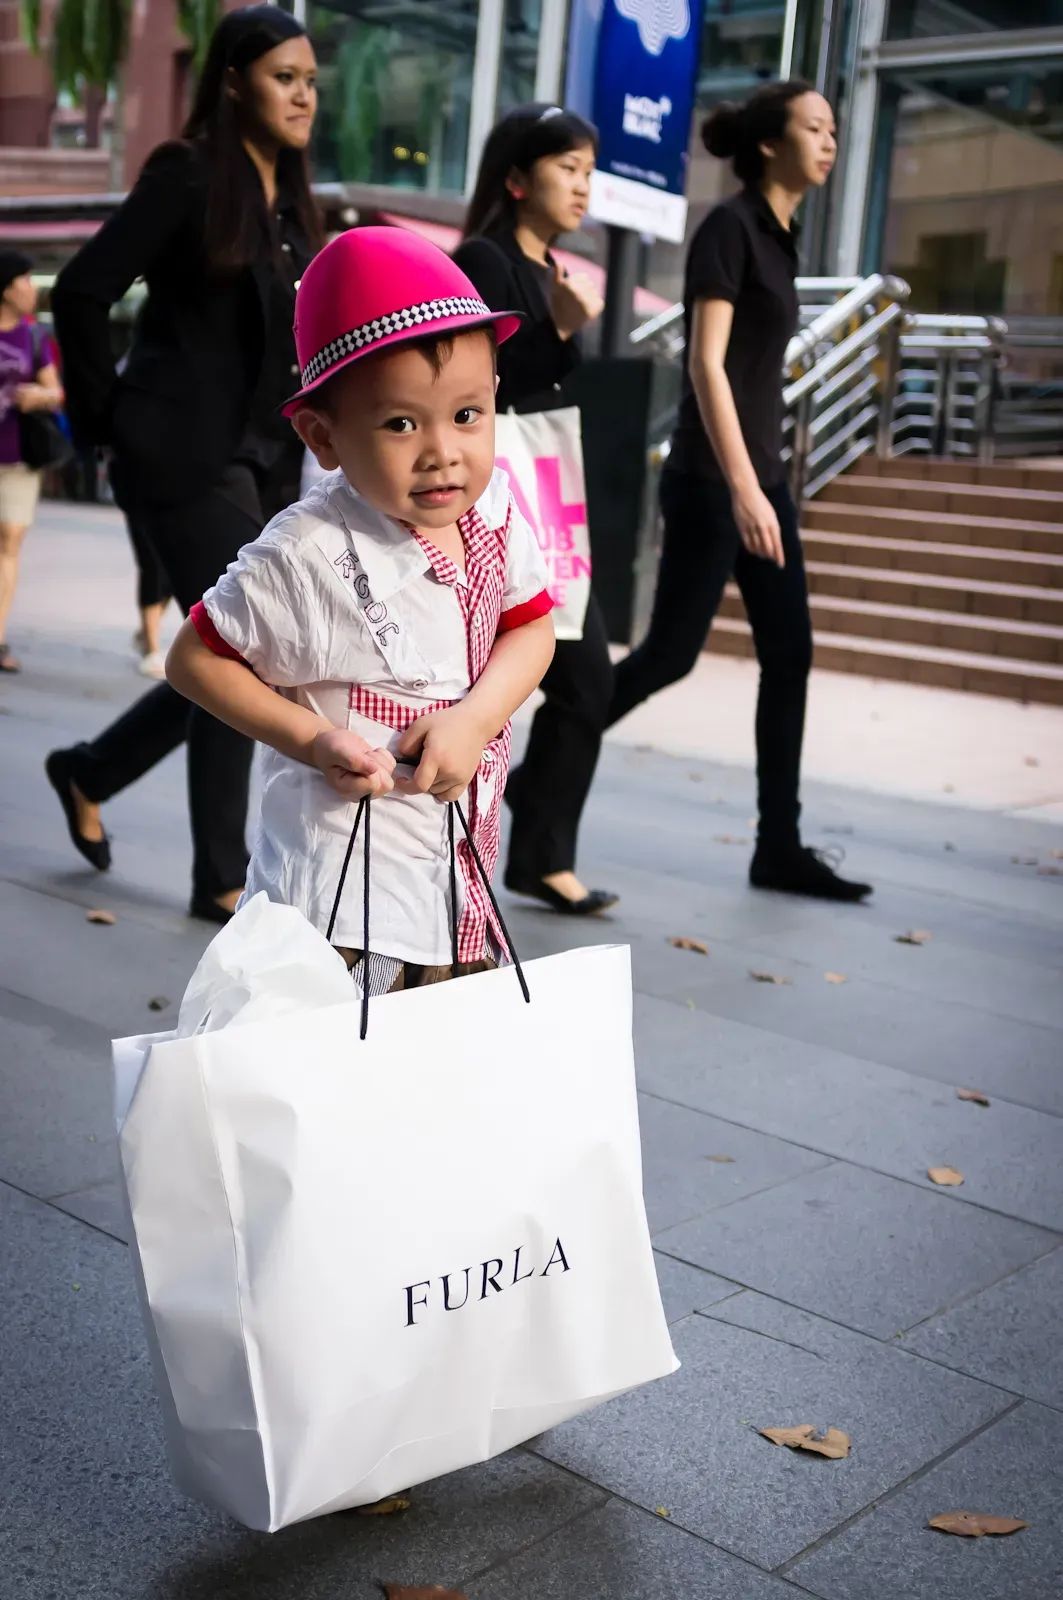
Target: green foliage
361 64
88 41
90 38
30 19
197 20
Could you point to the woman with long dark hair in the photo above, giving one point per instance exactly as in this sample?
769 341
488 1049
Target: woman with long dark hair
220 224
726 504
533 185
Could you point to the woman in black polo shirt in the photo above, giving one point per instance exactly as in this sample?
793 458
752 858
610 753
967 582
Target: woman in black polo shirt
726 504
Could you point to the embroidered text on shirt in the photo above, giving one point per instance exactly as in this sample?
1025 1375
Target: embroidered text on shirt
376 612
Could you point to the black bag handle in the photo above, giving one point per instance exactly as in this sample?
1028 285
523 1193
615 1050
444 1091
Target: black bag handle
364 807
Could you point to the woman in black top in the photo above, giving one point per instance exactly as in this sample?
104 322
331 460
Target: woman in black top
724 496
221 225
533 185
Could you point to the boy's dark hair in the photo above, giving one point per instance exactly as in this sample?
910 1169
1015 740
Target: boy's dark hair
735 133
437 349
517 142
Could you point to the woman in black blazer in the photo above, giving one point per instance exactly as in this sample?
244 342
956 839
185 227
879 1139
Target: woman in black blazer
220 225
533 185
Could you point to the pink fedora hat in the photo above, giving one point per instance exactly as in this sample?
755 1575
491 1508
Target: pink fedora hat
374 287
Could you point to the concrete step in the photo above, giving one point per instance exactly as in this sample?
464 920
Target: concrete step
916 625
973 597
944 495
1036 474
944 560
903 520
935 667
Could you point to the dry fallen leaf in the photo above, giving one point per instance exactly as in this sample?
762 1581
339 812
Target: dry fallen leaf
107 919
696 777
730 838
385 1508
1031 761
681 942
791 1436
975 1523
1057 855
834 1444
158 1002
1024 861
663 1511
719 1158
434 1591
1050 872
768 977
835 977
976 1095
913 936
946 1177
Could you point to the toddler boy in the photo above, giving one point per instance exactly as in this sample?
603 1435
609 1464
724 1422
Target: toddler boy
399 610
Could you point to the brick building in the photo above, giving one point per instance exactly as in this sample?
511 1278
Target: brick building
43 149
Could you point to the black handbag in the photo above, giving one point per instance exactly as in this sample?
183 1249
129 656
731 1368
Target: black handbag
42 442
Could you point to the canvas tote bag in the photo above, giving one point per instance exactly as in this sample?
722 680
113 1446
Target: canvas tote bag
542 452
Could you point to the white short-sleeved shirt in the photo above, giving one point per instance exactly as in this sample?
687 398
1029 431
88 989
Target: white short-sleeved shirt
335 597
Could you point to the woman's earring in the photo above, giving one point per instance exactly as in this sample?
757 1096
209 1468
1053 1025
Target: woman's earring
518 194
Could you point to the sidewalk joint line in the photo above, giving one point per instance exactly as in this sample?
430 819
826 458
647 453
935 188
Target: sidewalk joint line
783 1569
859 1166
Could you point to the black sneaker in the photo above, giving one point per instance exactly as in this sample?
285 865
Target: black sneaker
799 870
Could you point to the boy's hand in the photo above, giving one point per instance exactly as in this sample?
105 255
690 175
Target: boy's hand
447 746
351 766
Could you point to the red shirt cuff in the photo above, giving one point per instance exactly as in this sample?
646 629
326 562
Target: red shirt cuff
200 620
517 616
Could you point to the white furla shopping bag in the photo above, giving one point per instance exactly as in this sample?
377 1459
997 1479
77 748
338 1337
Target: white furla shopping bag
543 454
367 1262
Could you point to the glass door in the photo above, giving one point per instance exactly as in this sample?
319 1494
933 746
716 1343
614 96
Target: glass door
395 85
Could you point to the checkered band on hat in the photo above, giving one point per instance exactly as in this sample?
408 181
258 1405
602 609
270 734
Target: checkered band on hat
370 333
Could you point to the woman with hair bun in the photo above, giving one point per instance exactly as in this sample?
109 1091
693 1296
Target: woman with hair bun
725 501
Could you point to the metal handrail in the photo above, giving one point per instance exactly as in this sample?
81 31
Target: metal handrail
866 334
865 292
664 321
661 323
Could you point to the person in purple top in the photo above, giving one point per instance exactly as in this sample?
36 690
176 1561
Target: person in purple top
29 381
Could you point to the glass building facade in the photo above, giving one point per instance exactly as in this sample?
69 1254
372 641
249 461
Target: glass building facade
950 115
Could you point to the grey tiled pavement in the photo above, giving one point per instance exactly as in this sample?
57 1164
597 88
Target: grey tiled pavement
815 1276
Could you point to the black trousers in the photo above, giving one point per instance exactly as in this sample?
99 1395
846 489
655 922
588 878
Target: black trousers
702 549
194 544
547 792
153 586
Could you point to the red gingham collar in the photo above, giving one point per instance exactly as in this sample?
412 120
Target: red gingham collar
480 547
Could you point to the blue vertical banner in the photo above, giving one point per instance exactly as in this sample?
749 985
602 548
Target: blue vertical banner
632 67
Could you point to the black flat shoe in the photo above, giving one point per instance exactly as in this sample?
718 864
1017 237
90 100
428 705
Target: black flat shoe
595 901
799 870
59 770
207 909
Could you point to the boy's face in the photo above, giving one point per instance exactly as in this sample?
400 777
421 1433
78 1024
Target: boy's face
418 445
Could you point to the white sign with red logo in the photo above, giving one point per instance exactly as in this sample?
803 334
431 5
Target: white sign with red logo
543 455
